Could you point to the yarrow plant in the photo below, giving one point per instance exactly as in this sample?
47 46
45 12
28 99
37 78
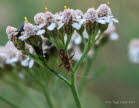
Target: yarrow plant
64 31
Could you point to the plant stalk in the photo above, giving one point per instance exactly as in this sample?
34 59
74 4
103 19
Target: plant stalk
76 95
74 70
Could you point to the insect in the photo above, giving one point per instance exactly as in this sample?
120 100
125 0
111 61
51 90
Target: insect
66 61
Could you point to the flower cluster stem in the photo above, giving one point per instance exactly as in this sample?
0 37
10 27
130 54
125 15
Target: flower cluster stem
86 50
73 76
76 95
59 76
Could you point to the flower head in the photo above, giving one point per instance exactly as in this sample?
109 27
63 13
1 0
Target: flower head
68 15
104 10
105 14
64 18
78 19
91 15
40 19
13 35
30 30
45 20
11 31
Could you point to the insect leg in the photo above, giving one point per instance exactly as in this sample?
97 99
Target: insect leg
60 65
72 56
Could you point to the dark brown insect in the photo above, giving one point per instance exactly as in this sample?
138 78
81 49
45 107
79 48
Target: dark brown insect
66 61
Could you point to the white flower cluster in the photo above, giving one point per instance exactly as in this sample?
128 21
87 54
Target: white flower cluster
45 20
105 14
68 17
76 18
30 30
66 21
9 55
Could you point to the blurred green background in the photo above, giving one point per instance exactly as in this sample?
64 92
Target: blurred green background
119 79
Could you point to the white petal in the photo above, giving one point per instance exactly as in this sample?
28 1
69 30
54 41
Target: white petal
76 26
25 62
40 32
78 17
31 63
101 21
82 21
51 26
115 20
41 26
108 19
12 60
60 25
24 37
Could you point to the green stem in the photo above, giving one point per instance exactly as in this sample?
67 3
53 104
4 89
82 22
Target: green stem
83 39
74 70
68 41
76 95
10 103
87 48
73 77
59 75
74 90
98 37
43 63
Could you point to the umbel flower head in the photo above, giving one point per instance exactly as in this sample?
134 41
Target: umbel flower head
69 20
11 32
104 10
105 14
45 20
31 35
64 20
30 30
78 21
13 35
91 17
